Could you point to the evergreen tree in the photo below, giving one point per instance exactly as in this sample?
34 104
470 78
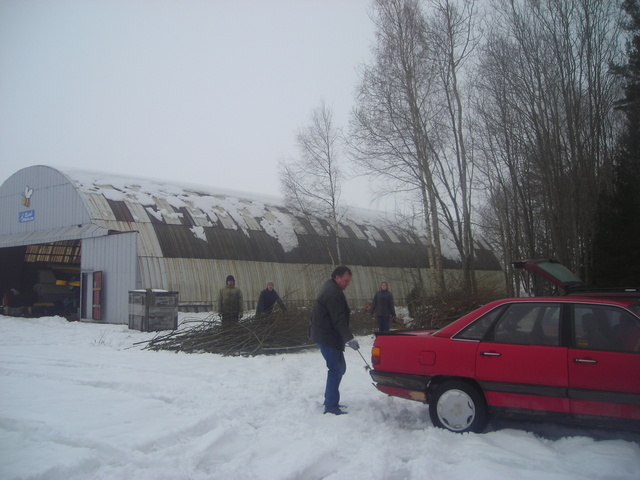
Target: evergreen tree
617 242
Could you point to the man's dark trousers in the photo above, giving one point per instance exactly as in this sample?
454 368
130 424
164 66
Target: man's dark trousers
336 367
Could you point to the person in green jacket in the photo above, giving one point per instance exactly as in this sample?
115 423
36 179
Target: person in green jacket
230 302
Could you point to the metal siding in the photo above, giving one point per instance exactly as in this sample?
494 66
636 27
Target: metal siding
199 217
138 212
357 229
148 240
153 273
225 219
252 223
54 200
391 234
199 280
372 233
298 227
53 235
197 268
171 217
98 207
115 256
316 226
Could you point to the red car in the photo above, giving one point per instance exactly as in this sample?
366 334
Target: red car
572 358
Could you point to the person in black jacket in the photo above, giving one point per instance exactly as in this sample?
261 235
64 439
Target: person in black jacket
329 329
383 308
267 299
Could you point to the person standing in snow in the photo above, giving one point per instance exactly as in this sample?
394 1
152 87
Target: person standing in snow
230 302
329 329
383 308
268 298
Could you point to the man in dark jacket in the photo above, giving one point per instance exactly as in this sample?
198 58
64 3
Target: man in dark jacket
230 302
329 328
267 299
383 308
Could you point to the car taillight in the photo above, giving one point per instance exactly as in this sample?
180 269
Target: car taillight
375 355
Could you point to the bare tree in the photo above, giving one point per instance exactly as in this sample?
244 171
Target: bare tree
390 126
548 124
312 184
452 39
410 121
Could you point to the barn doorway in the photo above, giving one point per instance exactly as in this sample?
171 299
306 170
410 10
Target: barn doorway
41 280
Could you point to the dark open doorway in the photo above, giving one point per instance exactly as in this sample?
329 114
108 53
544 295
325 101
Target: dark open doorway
41 280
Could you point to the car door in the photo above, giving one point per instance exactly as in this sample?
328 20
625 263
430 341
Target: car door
604 362
521 364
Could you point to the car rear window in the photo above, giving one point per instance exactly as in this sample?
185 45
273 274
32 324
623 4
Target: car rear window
559 271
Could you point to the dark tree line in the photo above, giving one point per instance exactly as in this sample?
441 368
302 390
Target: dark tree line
616 253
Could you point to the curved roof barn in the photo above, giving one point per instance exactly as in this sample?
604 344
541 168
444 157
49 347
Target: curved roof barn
144 233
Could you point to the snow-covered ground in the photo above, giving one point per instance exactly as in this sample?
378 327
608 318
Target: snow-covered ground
81 401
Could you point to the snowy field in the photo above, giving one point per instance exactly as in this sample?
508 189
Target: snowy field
80 401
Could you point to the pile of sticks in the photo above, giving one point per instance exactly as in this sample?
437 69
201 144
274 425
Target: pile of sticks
275 333
437 311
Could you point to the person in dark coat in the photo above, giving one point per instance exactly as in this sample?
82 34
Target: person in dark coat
230 302
267 299
383 308
329 329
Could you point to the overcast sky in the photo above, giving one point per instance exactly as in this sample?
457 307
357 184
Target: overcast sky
210 91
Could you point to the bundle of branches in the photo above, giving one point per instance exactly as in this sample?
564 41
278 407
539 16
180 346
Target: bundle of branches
437 311
274 333
361 321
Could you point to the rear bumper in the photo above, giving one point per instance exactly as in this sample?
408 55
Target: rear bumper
411 387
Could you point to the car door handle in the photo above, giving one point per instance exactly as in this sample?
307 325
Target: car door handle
490 354
584 360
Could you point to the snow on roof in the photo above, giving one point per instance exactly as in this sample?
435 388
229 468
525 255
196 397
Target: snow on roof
157 200
234 209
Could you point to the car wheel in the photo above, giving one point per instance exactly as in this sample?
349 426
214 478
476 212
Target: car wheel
458 407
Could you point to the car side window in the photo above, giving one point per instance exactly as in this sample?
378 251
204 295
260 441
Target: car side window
529 324
478 329
600 327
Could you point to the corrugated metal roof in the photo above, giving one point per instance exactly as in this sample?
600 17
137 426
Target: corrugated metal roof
199 222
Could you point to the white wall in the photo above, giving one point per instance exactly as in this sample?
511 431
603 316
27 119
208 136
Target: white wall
116 257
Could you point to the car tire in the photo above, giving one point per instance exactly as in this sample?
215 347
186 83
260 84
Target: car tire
459 407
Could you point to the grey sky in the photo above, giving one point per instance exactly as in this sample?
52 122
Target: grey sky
208 92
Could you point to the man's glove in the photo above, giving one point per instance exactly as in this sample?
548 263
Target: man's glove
354 344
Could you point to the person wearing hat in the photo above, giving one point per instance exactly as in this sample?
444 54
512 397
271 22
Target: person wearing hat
267 299
230 302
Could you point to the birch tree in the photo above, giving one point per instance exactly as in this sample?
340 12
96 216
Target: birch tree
452 39
391 125
312 183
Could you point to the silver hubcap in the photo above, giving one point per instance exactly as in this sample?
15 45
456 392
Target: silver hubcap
456 410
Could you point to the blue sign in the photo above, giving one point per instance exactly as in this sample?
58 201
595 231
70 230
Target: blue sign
27 216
